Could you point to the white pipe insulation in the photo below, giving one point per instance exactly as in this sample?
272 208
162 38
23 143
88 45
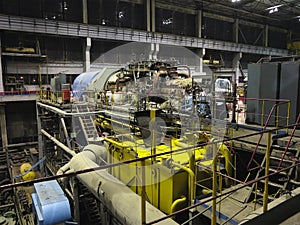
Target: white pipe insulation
122 202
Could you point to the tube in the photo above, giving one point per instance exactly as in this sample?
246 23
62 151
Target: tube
191 180
114 194
176 202
61 145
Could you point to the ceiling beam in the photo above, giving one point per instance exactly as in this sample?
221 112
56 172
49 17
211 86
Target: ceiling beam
242 3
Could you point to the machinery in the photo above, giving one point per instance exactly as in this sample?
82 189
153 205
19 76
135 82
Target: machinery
140 143
148 108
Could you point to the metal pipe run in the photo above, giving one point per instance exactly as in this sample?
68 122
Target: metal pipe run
144 158
214 187
61 145
114 194
191 180
177 202
220 195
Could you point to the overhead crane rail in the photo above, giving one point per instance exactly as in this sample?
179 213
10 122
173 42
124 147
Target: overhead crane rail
41 26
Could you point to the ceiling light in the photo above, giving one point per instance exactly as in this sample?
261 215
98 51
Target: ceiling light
121 14
274 8
235 0
167 21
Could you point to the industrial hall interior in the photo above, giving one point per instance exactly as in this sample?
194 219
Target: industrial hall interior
141 112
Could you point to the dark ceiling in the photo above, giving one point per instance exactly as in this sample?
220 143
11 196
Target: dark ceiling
287 14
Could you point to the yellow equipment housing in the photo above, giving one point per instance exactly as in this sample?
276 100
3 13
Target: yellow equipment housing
171 179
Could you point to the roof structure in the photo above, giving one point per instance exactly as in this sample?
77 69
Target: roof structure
279 13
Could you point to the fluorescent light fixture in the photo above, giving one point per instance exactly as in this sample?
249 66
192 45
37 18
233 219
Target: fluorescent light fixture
167 21
235 0
274 8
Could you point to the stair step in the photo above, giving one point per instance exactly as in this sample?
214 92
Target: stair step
262 194
283 147
295 182
273 184
278 159
275 170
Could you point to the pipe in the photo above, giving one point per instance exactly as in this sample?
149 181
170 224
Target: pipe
114 194
179 143
177 202
65 131
61 145
143 193
214 187
191 180
7 205
225 152
98 152
116 143
63 169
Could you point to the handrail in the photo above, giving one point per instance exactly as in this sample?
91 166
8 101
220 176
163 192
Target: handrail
289 142
19 93
261 135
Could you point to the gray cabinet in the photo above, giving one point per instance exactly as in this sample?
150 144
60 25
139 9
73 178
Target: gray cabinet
290 90
263 83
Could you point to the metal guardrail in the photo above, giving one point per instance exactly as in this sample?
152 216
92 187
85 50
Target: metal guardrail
43 26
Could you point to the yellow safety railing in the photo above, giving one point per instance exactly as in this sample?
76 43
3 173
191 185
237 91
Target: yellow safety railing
281 112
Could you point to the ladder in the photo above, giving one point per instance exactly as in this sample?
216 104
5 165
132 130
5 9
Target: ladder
281 156
87 125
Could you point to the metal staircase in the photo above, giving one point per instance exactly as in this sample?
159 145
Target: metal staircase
86 128
89 207
282 155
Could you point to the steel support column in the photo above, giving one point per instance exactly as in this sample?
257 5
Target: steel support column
154 49
40 141
1 74
236 66
3 127
199 23
266 35
84 12
201 53
148 12
235 81
153 15
87 44
87 58
236 31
